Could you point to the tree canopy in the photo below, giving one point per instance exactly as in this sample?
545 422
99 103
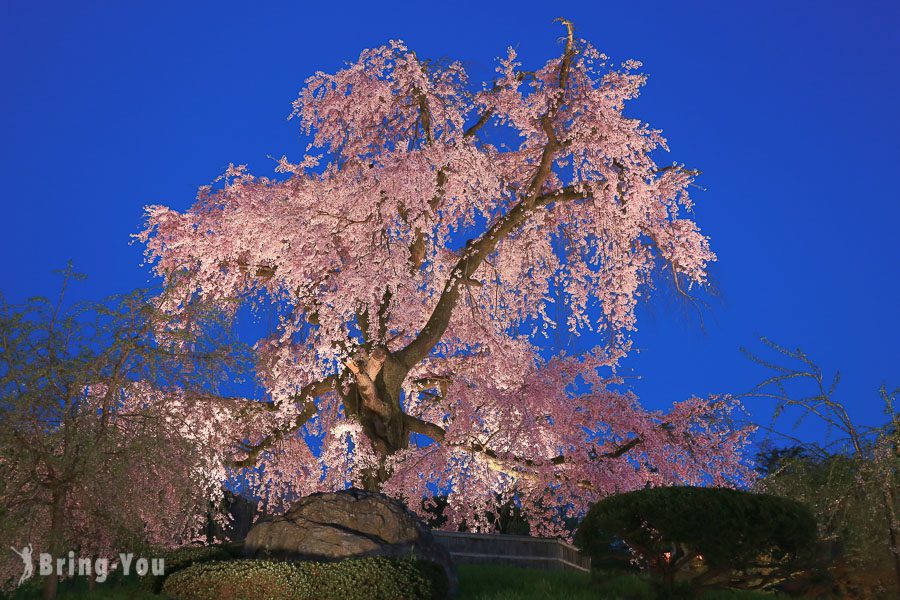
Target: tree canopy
851 483
415 251
108 432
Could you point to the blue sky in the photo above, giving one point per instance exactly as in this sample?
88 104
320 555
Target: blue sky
788 108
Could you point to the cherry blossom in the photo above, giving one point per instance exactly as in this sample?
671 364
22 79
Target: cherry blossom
416 250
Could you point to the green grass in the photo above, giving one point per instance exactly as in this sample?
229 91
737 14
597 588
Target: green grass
488 582
112 589
476 582
739 595
483 582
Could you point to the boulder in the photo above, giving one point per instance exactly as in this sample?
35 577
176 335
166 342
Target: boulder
350 523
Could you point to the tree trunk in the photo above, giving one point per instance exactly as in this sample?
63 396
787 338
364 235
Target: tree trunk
55 538
893 534
92 580
388 433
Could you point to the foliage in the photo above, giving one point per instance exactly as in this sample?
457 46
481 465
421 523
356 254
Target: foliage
771 460
478 582
418 255
738 595
351 579
181 558
79 589
105 433
706 536
852 485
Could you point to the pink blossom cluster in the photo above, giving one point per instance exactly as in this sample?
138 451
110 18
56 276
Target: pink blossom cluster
362 238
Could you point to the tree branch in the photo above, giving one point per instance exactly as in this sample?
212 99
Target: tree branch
417 425
482 121
473 255
365 369
476 251
307 395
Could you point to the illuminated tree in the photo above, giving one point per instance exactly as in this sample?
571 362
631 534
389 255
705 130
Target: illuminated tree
413 252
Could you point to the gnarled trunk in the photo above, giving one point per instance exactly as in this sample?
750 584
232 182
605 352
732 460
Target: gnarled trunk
376 402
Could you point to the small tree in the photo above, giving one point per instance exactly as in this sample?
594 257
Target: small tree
105 433
853 483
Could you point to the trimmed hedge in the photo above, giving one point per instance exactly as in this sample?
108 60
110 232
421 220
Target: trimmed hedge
708 536
181 558
374 578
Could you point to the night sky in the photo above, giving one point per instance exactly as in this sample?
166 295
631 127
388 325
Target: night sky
790 109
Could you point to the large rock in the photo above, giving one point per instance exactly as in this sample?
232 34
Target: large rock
349 523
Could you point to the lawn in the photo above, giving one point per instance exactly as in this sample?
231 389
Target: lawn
484 582
481 582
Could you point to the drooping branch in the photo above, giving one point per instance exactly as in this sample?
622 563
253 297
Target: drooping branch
438 434
307 396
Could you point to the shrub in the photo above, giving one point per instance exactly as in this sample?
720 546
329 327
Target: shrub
181 558
363 579
706 537
436 576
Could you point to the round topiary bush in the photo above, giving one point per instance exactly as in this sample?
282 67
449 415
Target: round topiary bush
352 579
709 537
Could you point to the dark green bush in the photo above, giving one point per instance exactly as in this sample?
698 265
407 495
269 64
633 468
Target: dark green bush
352 579
176 560
439 585
707 537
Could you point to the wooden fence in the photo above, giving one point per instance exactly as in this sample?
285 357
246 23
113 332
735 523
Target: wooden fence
513 550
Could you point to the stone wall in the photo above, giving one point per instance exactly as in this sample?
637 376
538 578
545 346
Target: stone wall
512 550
